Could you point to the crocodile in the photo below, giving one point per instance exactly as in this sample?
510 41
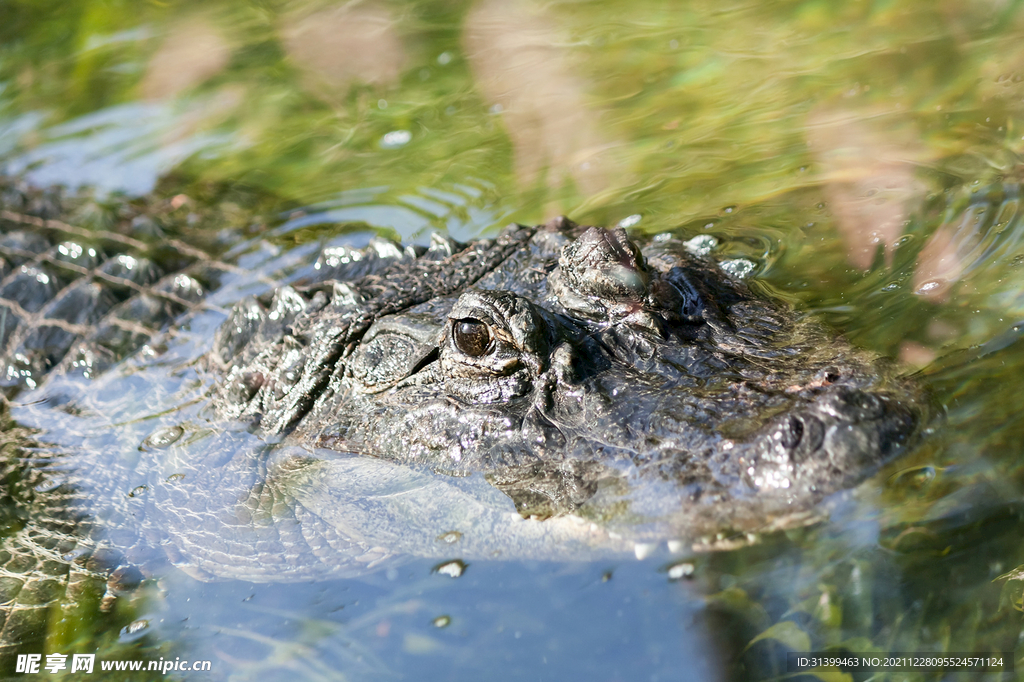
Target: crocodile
557 391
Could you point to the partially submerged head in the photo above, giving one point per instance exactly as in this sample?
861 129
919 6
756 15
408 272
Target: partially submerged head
613 366
577 372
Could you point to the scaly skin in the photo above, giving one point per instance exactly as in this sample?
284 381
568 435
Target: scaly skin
358 410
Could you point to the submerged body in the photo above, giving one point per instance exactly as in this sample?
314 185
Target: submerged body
374 403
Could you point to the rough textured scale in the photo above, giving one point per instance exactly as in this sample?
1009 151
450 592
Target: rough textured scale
554 392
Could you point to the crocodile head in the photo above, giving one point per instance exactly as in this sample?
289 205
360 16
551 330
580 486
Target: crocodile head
580 371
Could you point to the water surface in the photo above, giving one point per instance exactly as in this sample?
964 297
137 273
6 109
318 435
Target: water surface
859 159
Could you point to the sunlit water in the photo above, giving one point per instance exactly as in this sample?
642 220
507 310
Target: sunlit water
858 160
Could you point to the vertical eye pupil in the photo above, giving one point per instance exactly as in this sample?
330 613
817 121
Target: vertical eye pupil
471 337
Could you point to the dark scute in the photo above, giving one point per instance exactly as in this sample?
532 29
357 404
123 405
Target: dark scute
9 322
244 387
45 345
471 337
442 247
114 342
239 329
83 303
74 253
19 246
31 287
140 271
125 578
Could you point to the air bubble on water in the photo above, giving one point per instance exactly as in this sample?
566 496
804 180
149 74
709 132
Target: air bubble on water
163 437
134 630
702 244
631 220
450 538
740 268
395 139
681 570
642 550
452 569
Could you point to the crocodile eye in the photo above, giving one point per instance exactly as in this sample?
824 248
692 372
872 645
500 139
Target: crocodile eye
471 337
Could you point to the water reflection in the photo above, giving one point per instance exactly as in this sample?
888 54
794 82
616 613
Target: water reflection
192 52
468 115
984 234
336 46
524 619
868 165
461 211
523 70
125 148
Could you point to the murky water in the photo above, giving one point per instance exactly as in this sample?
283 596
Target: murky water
860 159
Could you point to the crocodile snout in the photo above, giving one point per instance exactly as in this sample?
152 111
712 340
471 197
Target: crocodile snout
840 435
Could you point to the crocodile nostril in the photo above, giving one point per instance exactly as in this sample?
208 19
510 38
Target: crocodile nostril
801 435
791 432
